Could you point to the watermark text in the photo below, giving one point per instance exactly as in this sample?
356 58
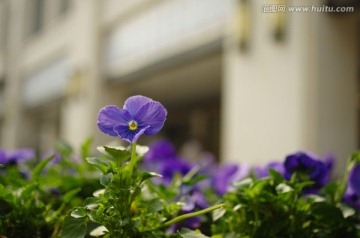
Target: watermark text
274 8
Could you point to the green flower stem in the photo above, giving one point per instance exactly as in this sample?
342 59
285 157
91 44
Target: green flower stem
189 215
132 160
343 184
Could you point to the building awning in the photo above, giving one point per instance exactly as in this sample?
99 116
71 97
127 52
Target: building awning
163 31
47 84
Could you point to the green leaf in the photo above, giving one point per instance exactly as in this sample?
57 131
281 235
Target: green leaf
196 179
5 207
95 217
154 205
141 150
64 147
327 213
98 193
347 211
85 148
70 194
283 188
186 233
37 170
91 203
74 228
3 190
1 165
147 175
78 213
99 231
26 192
301 185
330 189
106 179
276 176
244 183
98 163
218 213
355 157
6 195
121 155
315 198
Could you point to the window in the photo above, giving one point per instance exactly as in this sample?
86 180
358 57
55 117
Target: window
36 16
64 6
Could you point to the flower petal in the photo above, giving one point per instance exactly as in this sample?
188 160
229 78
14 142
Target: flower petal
134 103
20 155
227 174
152 114
290 164
354 179
128 135
309 165
159 151
169 168
3 159
111 116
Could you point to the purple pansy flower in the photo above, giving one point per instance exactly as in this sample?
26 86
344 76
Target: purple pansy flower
2 157
56 156
227 174
191 203
354 179
198 199
171 167
140 115
160 151
261 172
351 198
308 167
20 156
191 223
329 160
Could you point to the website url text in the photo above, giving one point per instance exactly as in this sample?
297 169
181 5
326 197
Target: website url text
274 8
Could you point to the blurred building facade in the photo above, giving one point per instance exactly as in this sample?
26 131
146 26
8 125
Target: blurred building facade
251 84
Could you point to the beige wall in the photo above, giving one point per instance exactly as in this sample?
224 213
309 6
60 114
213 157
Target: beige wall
279 97
12 120
338 88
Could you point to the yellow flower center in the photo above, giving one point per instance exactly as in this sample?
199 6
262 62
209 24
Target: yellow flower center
133 125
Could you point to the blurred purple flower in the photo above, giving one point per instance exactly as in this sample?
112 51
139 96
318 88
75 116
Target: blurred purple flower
141 115
227 174
76 158
308 167
193 203
169 168
55 191
351 198
160 151
194 199
3 159
191 223
329 160
354 179
207 163
56 159
261 172
20 156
